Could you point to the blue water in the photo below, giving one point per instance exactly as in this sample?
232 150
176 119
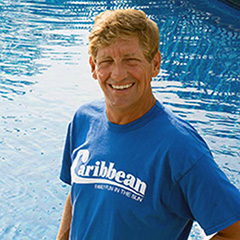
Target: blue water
44 77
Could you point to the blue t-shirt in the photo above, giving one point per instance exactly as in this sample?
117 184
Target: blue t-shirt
149 179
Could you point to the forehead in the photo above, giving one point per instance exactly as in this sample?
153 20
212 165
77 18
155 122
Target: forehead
121 47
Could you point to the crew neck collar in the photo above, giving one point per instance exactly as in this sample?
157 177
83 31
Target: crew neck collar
136 123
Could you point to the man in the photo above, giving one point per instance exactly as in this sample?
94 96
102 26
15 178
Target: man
136 170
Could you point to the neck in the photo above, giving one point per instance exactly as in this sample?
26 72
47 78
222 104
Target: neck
123 116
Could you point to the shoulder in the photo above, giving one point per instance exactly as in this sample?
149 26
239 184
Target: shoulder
86 115
185 147
175 128
90 109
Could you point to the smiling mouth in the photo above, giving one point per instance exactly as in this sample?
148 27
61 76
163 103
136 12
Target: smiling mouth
121 87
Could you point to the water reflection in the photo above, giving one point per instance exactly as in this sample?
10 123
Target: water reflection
198 47
203 54
44 77
29 32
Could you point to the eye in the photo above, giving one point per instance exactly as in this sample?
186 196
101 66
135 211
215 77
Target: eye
105 62
132 60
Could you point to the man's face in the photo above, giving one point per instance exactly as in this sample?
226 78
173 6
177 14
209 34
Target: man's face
124 74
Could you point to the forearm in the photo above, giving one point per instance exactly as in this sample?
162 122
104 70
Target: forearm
217 237
230 233
221 237
64 229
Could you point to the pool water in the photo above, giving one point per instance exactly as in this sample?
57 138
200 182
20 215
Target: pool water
44 77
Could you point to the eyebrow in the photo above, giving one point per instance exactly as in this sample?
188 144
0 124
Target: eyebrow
103 57
108 56
130 55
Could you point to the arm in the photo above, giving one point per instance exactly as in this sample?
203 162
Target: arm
230 233
64 229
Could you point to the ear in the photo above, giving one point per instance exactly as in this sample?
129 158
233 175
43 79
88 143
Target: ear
93 68
156 63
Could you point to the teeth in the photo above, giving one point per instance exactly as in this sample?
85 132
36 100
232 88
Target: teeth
121 87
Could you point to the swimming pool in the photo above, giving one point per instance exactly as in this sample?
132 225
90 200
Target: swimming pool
45 77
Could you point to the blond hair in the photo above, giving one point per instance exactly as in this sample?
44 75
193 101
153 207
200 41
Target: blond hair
110 25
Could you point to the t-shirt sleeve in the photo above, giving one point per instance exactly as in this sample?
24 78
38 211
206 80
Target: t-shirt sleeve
65 174
212 199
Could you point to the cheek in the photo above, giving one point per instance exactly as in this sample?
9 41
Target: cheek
143 75
102 74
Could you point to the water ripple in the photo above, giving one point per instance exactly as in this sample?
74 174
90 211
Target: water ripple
44 77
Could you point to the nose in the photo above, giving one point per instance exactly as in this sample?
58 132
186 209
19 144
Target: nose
118 73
